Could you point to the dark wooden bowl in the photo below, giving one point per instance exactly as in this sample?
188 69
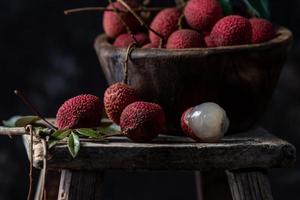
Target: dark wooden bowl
239 78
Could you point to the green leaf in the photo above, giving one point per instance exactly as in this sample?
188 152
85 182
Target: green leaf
88 132
52 142
109 129
73 144
227 6
20 121
61 134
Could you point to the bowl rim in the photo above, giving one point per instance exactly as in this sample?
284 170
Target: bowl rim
284 36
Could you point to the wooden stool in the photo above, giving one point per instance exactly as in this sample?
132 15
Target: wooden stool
244 157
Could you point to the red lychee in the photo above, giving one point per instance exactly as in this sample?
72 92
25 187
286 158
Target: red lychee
208 41
142 121
83 111
185 38
231 30
165 23
125 39
116 98
112 23
262 30
150 45
202 14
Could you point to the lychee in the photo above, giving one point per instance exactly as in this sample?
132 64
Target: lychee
150 45
83 111
208 41
112 23
116 98
185 38
125 39
262 30
206 122
231 30
202 14
165 23
142 121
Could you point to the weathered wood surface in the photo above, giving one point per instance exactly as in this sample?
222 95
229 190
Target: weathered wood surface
79 185
249 185
256 148
238 77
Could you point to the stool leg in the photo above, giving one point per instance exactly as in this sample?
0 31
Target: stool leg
78 185
249 185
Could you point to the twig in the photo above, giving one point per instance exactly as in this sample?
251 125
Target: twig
102 9
141 20
180 21
130 48
13 131
44 172
33 109
30 130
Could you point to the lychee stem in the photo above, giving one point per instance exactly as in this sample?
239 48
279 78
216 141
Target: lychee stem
142 21
130 48
180 21
102 9
33 109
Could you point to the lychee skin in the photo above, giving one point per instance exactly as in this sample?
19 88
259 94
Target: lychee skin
208 41
165 23
150 46
185 125
142 121
116 98
125 39
185 38
232 30
262 30
83 111
113 25
202 14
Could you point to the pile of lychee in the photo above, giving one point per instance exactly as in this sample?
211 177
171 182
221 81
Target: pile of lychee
199 24
139 120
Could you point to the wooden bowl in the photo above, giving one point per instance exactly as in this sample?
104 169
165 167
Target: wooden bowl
239 78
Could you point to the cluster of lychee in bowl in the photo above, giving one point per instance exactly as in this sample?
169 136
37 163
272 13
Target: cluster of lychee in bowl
195 54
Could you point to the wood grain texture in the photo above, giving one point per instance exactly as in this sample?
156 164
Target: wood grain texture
249 185
239 78
79 185
256 148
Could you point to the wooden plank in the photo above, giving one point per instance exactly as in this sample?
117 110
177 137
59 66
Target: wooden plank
256 148
78 185
249 185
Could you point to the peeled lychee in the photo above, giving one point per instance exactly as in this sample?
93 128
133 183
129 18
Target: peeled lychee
142 121
83 111
125 39
116 98
202 14
150 45
165 23
262 30
112 23
206 122
231 30
185 38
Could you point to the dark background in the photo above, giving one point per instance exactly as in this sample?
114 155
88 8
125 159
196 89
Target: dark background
50 57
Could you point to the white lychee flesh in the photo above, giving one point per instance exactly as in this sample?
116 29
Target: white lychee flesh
208 122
